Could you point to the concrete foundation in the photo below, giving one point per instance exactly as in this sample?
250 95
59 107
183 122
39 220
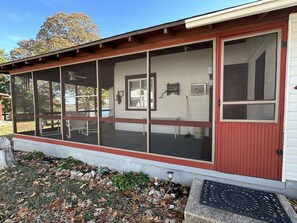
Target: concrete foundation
182 174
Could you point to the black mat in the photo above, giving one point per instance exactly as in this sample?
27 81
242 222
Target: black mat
256 204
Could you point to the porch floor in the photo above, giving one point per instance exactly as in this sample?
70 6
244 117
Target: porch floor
164 144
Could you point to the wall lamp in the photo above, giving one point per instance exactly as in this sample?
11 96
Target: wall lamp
119 96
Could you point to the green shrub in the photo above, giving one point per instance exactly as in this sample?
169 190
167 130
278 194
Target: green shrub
34 155
104 170
130 180
69 163
88 216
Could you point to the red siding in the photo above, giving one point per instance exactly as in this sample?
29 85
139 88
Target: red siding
249 149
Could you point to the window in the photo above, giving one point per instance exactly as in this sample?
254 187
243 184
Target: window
136 88
249 78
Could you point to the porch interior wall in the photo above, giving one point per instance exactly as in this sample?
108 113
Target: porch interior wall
248 52
185 68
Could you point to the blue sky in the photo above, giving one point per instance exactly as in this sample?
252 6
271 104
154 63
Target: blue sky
22 19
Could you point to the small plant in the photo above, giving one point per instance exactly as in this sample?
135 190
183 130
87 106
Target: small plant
34 155
104 170
69 163
130 180
88 216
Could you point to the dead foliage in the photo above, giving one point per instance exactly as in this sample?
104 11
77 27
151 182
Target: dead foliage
37 190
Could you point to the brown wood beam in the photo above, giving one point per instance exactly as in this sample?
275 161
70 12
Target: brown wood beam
41 60
99 101
63 104
13 103
76 98
107 46
51 97
72 53
15 65
58 56
261 16
134 39
36 107
210 27
168 32
28 63
4 70
91 49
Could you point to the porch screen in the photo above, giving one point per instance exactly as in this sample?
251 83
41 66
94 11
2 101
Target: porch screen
249 78
23 105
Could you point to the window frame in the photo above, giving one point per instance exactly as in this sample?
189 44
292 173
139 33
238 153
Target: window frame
140 77
252 102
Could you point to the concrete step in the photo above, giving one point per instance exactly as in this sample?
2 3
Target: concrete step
195 212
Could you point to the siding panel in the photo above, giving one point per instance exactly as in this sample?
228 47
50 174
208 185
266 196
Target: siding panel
290 131
252 150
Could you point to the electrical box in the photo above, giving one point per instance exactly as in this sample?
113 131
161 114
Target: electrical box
198 89
209 70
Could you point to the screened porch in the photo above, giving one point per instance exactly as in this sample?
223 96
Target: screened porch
157 102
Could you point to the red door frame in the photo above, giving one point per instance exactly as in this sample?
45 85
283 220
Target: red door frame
283 27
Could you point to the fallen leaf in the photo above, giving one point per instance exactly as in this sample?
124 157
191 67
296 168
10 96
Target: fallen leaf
114 214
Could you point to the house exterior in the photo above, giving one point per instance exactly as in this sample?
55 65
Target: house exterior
212 95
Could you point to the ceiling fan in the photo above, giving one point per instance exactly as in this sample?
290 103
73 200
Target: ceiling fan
73 76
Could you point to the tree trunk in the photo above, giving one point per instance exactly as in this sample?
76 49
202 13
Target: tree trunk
6 155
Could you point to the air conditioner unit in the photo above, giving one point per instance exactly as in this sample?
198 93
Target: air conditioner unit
198 89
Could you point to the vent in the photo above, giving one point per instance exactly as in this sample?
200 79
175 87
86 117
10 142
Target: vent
198 89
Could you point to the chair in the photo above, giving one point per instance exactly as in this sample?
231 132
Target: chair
43 123
81 126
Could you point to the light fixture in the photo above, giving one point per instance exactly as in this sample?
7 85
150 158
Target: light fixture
119 96
170 177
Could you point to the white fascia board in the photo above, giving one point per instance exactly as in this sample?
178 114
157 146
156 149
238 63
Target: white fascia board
239 12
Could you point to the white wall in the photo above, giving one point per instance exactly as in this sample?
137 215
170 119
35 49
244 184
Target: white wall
290 127
185 68
248 52
256 47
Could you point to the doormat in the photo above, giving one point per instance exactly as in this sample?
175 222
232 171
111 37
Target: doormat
251 203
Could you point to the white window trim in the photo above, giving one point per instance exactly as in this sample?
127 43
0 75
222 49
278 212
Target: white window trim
144 95
277 87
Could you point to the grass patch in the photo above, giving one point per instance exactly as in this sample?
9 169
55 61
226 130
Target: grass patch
69 163
34 155
6 129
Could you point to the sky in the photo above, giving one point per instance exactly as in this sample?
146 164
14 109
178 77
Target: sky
22 19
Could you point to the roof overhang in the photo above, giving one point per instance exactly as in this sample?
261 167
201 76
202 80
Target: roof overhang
90 47
253 8
249 9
